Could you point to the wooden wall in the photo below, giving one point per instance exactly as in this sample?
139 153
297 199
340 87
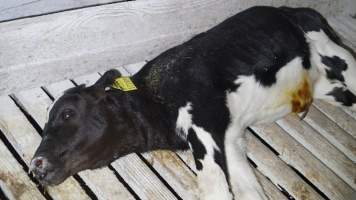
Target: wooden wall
103 34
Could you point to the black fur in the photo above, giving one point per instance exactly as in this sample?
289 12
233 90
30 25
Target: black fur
199 150
336 67
344 96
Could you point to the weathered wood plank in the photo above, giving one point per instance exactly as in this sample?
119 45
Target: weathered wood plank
13 179
350 112
144 182
295 155
175 172
134 68
332 132
24 138
151 189
345 26
166 163
320 147
12 9
278 171
102 37
102 181
336 114
271 190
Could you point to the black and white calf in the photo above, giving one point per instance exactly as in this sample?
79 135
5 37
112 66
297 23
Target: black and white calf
255 67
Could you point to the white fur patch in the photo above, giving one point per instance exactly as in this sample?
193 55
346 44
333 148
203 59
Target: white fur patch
184 119
212 181
206 139
254 103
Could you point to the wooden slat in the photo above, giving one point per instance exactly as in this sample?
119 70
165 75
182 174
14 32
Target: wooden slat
345 26
166 163
320 147
12 9
295 155
350 112
332 132
151 189
175 172
336 114
49 47
144 182
102 182
13 179
134 68
279 172
25 139
56 89
271 190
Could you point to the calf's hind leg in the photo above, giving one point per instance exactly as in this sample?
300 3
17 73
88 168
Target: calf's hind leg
243 181
337 68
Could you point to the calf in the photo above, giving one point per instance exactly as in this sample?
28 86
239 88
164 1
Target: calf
254 67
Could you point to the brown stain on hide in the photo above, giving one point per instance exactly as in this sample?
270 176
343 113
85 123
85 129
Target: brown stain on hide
302 97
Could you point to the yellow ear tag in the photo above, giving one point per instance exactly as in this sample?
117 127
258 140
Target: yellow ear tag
124 84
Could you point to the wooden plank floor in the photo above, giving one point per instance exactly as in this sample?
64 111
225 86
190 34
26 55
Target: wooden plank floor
309 159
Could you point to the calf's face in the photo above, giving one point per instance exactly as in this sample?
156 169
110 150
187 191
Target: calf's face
86 129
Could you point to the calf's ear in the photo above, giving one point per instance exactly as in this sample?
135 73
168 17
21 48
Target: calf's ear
107 79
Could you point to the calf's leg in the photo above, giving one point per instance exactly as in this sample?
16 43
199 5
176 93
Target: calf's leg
212 180
335 93
243 181
337 68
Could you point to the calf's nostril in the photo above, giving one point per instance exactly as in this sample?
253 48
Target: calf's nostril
39 163
42 175
38 168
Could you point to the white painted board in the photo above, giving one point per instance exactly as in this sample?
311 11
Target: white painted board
49 48
13 9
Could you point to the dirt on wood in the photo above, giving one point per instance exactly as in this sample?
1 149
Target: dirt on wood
17 188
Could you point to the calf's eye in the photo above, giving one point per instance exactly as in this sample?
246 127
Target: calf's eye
67 114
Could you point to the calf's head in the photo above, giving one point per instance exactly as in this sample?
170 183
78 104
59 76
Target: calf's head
88 127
